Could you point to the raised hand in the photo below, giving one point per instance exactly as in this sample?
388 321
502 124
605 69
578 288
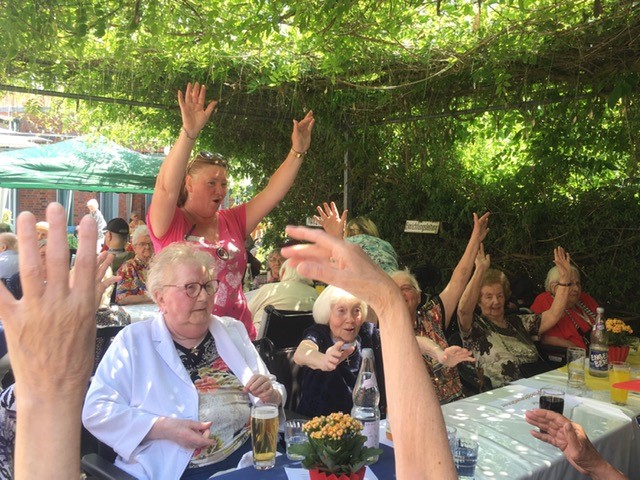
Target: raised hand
330 219
194 113
483 261
562 259
301 135
481 226
452 356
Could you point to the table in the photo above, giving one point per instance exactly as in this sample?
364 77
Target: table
507 449
142 311
384 469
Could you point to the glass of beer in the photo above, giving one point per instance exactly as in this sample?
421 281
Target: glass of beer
264 435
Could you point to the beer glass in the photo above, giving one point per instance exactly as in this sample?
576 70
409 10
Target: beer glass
264 435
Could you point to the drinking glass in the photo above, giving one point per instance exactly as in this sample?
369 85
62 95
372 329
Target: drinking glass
619 372
466 457
293 435
552 399
575 366
264 435
451 435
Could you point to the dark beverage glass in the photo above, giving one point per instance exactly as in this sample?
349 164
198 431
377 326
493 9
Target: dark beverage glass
552 399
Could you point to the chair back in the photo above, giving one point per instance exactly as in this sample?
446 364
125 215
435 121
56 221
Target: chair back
104 337
285 327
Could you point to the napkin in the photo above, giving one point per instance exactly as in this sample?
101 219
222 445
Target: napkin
303 474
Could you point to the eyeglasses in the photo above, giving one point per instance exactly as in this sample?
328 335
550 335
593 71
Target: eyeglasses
144 244
221 252
208 157
193 289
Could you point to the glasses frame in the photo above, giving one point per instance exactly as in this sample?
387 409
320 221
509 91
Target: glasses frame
201 286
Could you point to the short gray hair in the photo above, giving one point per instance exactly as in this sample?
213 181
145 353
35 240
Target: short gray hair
553 276
406 275
93 203
162 267
328 298
140 231
290 274
9 240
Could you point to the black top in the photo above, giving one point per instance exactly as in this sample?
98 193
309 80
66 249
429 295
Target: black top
322 392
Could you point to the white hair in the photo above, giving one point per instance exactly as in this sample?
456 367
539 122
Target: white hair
93 203
554 275
328 298
140 231
290 274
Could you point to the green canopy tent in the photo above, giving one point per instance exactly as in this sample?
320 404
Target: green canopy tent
83 163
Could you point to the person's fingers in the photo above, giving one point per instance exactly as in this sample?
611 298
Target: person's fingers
31 272
85 266
201 95
211 107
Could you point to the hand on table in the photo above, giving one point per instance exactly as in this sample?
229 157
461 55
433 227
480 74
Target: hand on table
330 219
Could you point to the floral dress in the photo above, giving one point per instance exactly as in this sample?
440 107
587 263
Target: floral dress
500 351
446 381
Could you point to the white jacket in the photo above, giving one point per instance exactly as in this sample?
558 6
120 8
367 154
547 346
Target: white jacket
141 378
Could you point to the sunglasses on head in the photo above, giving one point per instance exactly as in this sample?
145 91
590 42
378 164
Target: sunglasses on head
208 157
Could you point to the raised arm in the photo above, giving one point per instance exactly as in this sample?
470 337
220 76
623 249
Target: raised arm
449 357
471 294
451 294
308 355
51 333
172 171
282 180
551 316
414 410
332 222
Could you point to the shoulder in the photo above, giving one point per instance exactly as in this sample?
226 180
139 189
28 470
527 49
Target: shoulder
542 302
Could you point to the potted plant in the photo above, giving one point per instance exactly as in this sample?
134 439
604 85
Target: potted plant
335 448
619 339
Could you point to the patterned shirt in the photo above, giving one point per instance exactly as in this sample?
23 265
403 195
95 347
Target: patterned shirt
221 401
378 250
134 279
500 351
7 432
446 381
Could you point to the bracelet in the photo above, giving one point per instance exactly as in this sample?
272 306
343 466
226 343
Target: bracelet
570 284
297 153
187 134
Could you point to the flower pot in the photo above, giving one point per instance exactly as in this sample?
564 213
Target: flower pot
618 353
316 474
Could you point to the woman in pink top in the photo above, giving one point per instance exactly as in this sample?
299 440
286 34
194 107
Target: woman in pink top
188 194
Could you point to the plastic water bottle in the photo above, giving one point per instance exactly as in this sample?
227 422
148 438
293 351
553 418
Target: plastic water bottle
366 397
598 348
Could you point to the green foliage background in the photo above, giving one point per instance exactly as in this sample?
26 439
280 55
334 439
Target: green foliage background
527 108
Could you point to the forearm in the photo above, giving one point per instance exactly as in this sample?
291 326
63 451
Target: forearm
459 278
469 300
553 315
307 355
173 167
429 347
556 341
606 471
48 433
408 401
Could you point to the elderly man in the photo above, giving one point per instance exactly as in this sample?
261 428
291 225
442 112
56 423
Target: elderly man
8 255
132 287
96 214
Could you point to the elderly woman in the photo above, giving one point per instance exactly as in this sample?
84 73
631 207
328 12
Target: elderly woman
131 289
172 395
503 345
188 195
574 327
331 353
274 263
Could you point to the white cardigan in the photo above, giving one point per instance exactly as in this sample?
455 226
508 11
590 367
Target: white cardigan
141 378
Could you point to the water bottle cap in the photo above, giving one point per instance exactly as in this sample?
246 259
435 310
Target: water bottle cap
600 310
367 353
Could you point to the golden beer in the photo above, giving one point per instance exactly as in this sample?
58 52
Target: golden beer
264 435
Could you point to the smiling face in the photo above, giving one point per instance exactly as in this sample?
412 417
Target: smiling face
345 319
143 248
186 318
492 301
206 188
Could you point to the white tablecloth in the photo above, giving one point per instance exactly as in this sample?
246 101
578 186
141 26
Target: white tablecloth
507 449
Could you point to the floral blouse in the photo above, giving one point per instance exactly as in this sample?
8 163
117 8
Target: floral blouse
446 381
134 279
500 351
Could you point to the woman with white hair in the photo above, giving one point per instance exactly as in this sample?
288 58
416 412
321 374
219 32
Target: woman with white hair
574 327
131 289
292 292
172 395
96 214
331 353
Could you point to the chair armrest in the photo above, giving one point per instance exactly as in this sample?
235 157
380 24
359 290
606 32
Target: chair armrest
102 469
